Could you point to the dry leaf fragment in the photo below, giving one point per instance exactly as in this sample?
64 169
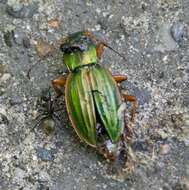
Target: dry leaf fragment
43 48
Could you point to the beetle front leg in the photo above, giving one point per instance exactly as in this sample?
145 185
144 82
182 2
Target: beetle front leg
133 101
58 83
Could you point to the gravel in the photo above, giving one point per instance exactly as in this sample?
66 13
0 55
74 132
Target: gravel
153 36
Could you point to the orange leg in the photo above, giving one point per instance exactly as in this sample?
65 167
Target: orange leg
58 83
133 101
99 49
100 44
119 78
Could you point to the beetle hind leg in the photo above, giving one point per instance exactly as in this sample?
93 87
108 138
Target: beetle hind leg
133 101
57 84
119 78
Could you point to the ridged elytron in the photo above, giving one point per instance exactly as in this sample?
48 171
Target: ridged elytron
95 106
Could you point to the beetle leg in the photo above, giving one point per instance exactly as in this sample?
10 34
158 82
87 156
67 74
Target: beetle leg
99 49
133 101
58 83
119 78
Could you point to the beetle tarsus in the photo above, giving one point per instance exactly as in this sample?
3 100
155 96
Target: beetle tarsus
133 101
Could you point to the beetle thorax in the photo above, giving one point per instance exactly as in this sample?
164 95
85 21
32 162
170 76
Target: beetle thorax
78 58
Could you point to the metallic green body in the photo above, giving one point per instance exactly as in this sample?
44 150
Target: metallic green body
92 94
82 51
90 90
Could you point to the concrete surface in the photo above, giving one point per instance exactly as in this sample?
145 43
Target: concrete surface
153 35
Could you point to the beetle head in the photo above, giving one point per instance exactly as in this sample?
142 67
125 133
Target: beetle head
78 49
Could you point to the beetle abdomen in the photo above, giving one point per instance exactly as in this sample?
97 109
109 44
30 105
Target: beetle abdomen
80 106
107 99
89 90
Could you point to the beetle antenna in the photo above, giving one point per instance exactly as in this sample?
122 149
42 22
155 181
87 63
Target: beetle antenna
115 51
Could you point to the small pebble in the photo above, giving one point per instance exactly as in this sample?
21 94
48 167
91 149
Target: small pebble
26 42
19 174
140 145
48 126
5 77
105 186
18 37
15 100
186 100
165 41
186 141
161 74
2 90
162 134
3 1
3 119
12 38
9 38
183 184
164 148
2 69
42 187
53 23
186 119
25 11
177 31
44 154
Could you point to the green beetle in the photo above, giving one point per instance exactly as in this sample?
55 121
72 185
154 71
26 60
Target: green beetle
94 103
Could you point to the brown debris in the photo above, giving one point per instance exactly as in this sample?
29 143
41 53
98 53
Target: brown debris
183 184
43 48
54 23
164 148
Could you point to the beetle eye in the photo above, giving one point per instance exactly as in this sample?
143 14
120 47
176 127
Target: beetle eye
65 48
62 47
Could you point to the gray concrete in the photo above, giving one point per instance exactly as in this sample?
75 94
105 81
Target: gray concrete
153 35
